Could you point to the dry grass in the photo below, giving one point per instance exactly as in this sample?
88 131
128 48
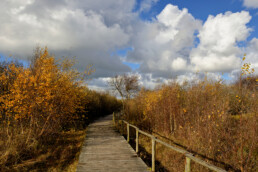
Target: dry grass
214 121
59 152
43 111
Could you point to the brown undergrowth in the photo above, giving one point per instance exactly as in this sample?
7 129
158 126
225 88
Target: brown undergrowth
44 109
56 152
214 121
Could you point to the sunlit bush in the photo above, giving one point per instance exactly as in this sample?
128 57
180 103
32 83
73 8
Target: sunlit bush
214 120
41 101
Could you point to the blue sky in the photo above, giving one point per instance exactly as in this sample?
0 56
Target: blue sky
201 9
157 39
5 58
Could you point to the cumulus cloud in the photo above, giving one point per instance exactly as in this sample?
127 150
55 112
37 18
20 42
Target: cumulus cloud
194 78
252 54
251 51
172 44
159 43
251 3
69 28
218 49
179 64
167 46
99 84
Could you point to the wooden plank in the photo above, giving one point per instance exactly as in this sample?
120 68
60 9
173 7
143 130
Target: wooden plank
106 150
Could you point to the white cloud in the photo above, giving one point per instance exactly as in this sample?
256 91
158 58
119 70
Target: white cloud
165 46
252 54
99 84
251 57
194 78
91 30
150 82
251 3
158 43
147 4
179 64
68 28
218 50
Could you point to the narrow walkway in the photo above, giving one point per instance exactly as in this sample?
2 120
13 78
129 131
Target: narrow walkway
106 150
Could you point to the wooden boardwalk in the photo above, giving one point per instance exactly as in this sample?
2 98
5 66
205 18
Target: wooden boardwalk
106 150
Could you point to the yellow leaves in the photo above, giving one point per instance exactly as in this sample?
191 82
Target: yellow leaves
238 98
89 70
244 57
66 64
1 99
151 98
41 91
246 68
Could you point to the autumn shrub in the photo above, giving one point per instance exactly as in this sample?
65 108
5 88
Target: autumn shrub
39 102
42 95
214 121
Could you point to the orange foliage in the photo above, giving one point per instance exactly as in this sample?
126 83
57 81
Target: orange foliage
209 118
39 103
45 93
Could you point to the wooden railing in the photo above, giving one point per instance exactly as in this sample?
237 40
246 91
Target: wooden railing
189 156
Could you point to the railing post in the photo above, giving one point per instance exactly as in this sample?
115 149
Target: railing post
153 154
189 157
187 164
137 140
128 133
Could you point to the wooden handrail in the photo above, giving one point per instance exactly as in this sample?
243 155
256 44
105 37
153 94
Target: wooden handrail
189 156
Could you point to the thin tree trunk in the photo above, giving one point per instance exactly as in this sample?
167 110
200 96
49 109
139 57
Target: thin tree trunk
44 126
30 129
